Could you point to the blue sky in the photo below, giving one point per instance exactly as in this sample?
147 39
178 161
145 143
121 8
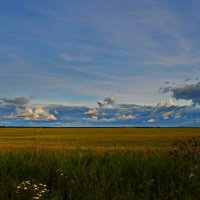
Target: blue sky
76 52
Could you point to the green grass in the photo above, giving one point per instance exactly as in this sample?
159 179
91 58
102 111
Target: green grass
89 176
100 164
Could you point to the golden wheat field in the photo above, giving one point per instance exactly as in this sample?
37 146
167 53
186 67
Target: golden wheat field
97 139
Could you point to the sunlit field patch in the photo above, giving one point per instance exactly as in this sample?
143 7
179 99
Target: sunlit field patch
96 139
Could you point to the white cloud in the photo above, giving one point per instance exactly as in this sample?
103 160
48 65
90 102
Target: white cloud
126 117
106 101
92 111
101 103
34 114
108 119
168 103
110 100
94 118
151 120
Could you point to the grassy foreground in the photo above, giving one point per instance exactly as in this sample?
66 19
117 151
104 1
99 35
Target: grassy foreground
108 174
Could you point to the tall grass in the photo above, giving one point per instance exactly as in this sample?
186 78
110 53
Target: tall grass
103 176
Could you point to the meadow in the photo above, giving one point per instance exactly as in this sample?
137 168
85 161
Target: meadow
99 163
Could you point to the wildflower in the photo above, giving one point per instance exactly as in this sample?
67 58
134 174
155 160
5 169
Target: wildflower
73 181
37 189
34 198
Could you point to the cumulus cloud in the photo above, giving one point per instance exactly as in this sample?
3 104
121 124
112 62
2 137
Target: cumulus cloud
32 114
126 117
92 111
15 101
185 92
112 119
110 100
93 119
168 103
97 119
106 101
101 103
151 120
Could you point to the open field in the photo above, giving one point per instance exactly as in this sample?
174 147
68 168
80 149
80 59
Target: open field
78 175
98 139
116 164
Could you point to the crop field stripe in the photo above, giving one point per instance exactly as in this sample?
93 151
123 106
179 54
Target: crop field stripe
101 139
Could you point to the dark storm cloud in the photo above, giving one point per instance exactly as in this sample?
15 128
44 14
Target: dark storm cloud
186 92
165 89
15 101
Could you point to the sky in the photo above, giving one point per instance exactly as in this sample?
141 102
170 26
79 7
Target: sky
73 53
